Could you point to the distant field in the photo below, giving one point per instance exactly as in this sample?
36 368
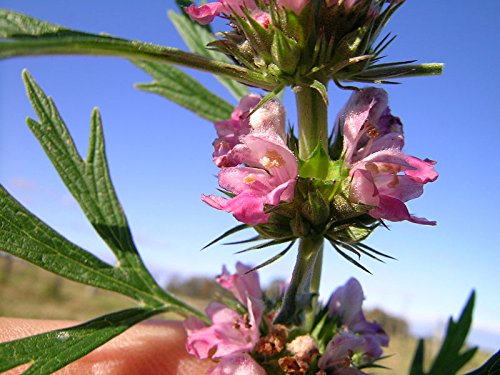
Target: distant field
29 292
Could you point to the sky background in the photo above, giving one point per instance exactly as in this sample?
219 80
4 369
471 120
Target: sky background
160 158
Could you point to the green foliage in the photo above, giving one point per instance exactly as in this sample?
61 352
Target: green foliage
491 367
197 37
27 36
25 236
319 165
48 352
450 357
175 85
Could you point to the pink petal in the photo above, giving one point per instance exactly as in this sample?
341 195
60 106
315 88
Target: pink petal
241 284
199 340
346 301
269 119
294 5
363 188
203 14
238 180
393 209
400 187
237 364
248 208
424 171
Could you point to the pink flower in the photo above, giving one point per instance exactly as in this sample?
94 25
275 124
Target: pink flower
356 335
346 303
237 364
229 333
229 131
268 178
339 352
295 5
381 175
269 120
232 335
243 284
206 13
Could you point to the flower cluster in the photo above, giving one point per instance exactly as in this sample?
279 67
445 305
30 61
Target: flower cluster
262 177
242 339
292 42
268 169
381 175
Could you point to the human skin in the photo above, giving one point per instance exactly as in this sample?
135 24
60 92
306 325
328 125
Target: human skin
151 347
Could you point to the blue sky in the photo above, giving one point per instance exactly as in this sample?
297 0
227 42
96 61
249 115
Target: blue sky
160 157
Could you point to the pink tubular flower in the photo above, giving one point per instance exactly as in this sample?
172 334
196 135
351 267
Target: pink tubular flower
237 364
381 175
243 284
229 333
294 5
206 13
267 179
232 335
345 303
357 336
229 131
268 120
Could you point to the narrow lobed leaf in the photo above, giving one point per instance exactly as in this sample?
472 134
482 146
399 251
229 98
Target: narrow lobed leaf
177 86
48 352
196 38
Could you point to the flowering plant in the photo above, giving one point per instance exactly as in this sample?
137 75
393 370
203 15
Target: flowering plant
302 184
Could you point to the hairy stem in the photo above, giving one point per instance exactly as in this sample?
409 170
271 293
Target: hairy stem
301 294
312 115
102 46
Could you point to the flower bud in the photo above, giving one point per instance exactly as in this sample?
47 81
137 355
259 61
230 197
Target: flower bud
285 52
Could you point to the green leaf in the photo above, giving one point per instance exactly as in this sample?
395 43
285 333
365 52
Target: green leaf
321 88
196 38
226 234
450 359
177 86
417 366
26 237
28 36
88 180
319 165
491 367
48 352
378 74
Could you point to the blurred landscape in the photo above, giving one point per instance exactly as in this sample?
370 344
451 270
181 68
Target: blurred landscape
30 292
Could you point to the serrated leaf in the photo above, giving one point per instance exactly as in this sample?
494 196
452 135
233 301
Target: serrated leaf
177 86
48 352
27 36
197 37
449 359
88 180
26 237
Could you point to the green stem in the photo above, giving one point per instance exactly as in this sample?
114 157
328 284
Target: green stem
106 46
301 294
312 115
